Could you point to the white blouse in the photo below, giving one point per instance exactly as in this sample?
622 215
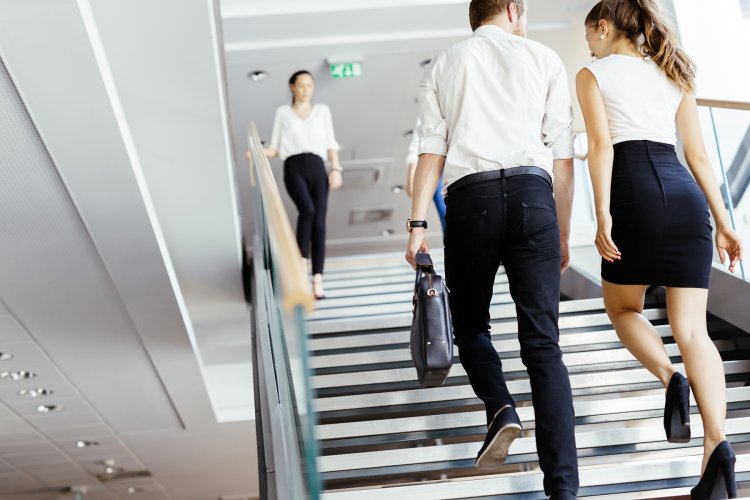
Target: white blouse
293 135
640 99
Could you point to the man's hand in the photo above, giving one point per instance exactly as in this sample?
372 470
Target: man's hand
417 243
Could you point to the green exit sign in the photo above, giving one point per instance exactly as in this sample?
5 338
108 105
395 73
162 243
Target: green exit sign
346 70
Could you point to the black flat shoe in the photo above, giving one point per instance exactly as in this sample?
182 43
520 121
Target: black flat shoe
677 410
503 430
717 481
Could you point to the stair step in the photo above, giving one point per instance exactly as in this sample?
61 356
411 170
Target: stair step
683 473
367 338
357 322
583 409
619 380
398 349
383 434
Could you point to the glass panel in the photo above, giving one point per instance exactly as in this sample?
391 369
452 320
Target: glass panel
729 130
291 363
583 218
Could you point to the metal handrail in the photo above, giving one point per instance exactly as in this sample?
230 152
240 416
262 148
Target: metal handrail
295 291
718 103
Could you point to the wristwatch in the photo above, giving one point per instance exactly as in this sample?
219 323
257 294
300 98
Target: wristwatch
411 224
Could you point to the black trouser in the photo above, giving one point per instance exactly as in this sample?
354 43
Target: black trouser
513 220
306 181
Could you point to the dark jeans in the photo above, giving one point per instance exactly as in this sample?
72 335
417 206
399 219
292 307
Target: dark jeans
306 181
513 220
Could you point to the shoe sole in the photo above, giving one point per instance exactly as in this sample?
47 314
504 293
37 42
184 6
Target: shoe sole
497 451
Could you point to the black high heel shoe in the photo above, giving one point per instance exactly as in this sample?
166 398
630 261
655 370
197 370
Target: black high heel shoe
717 481
677 410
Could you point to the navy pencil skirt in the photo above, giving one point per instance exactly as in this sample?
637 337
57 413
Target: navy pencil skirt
660 219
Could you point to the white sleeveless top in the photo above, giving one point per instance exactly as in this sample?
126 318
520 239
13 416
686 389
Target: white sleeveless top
640 100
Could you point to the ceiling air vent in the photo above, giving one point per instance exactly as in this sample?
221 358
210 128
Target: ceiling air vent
369 215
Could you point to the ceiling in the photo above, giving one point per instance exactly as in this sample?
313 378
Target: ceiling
120 256
373 114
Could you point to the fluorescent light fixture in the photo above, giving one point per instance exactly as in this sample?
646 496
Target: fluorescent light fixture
258 76
86 444
49 408
17 375
35 393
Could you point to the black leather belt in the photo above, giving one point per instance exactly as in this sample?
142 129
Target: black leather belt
491 175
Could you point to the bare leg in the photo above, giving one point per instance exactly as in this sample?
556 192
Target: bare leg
318 289
624 305
686 308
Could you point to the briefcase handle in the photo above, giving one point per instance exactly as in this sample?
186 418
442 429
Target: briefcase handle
424 262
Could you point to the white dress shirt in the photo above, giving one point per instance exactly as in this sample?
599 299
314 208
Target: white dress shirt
293 135
493 101
412 156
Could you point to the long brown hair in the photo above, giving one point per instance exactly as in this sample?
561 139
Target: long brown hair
644 22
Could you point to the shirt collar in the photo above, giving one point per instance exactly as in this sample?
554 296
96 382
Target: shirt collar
491 30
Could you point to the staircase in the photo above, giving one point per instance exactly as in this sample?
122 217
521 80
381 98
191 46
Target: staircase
382 436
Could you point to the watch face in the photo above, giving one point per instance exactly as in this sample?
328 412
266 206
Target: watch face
408 225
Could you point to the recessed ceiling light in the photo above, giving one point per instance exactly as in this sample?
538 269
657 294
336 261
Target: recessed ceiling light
112 470
409 133
425 63
5 356
48 408
34 393
397 188
17 375
258 76
385 233
86 444
133 490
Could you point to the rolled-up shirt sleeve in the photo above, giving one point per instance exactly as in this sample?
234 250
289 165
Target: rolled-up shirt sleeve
433 128
557 127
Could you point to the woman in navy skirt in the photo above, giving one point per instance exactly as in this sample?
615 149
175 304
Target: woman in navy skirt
653 215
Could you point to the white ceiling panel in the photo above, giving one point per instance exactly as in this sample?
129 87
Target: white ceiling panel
97 262
78 432
10 331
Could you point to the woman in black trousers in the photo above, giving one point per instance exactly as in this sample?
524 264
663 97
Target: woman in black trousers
302 136
653 216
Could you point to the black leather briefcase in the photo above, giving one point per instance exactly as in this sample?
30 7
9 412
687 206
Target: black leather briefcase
431 329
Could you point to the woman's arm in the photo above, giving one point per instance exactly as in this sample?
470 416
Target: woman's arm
601 156
688 124
272 151
335 178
